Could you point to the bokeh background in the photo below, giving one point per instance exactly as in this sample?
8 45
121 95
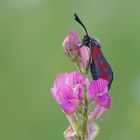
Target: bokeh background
31 55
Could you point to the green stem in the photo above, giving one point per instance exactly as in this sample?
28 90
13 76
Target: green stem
85 117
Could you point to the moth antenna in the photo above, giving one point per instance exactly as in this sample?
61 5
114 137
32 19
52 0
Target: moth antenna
80 22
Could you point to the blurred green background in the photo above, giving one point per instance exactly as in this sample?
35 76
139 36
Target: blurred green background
31 36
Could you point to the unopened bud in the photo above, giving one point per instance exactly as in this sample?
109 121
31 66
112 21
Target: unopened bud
70 45
84 58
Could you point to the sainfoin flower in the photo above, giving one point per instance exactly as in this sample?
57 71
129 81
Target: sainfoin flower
98 92
68 90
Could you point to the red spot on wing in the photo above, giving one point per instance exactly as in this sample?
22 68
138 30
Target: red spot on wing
106 77
101 64
104 65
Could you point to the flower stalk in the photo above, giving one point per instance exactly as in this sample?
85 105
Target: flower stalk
85 116
75 94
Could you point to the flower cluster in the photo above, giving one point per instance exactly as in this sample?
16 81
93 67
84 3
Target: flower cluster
82 101
68 90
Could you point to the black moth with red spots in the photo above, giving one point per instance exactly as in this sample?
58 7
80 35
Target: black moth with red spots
99 66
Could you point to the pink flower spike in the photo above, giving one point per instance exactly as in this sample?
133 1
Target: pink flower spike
98 92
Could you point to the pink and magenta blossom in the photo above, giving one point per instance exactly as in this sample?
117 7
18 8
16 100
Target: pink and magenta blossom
68 90
98 92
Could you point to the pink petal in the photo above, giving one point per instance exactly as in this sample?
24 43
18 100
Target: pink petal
70 106
74 37
76 78
104 100
79 89
65 93
61 80
97 87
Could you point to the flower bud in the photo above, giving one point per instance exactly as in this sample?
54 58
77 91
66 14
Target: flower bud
84 59
78 53
70 45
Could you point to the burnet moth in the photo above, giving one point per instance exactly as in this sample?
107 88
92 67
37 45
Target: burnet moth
99 66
